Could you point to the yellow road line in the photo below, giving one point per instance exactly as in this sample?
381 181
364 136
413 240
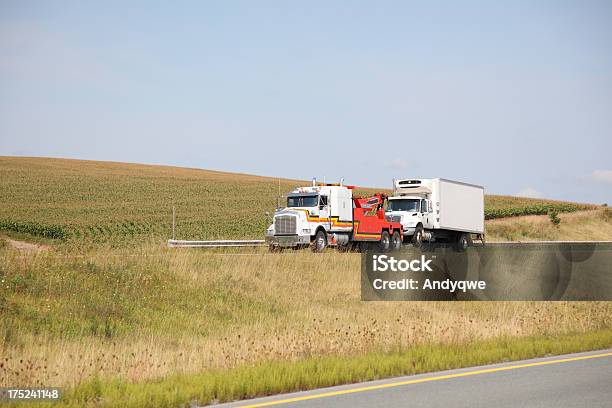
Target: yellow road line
422 380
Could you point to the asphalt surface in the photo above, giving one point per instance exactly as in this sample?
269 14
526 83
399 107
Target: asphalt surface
561 381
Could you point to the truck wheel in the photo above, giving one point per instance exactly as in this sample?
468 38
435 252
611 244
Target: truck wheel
385 242
275 248
396 241
463 242
417 238
320 242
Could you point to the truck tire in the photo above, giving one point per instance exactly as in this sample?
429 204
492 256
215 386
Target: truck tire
417 238
396 241
463 241
320 242
385 242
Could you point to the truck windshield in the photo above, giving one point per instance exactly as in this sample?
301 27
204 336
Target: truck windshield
302 201
409 204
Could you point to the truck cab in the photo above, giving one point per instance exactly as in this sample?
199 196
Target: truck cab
410 211
322 212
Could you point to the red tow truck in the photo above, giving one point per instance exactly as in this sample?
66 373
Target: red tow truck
324 215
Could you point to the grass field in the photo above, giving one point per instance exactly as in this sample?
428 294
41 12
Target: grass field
590 225
117 203
124 324
151 314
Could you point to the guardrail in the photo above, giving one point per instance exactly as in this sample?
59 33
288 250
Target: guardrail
181 243
216 244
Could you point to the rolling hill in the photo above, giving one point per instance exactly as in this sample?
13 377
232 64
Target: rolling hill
118 203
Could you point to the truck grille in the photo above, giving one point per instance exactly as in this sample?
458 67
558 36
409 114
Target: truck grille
285 224
393 218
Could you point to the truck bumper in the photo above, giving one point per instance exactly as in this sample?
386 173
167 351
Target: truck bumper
287 241
408 231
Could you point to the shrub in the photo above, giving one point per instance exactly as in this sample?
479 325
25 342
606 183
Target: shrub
553 215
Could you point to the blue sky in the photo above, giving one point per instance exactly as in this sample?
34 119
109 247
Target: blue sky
516 97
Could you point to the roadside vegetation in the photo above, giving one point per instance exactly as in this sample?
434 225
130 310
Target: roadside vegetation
113 321
274 377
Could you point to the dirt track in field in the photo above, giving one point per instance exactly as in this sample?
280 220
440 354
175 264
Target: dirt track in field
25 246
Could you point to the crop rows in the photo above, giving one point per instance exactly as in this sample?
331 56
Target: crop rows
117 203
539 209
34 228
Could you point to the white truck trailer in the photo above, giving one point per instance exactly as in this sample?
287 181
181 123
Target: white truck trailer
437 210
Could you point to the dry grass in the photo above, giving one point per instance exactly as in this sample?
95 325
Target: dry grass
169 312
594 225
274 377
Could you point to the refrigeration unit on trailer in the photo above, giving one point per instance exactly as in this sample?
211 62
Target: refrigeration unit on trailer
328 214
438 210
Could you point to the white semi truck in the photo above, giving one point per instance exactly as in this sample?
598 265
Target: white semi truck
438 210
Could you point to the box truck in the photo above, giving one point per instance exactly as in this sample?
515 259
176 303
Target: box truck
438 210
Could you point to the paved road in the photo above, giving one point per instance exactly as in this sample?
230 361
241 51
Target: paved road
576 380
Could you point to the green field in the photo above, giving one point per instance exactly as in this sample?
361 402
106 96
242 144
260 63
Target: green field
119 203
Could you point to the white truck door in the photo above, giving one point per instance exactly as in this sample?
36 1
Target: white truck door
426 214
324 211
